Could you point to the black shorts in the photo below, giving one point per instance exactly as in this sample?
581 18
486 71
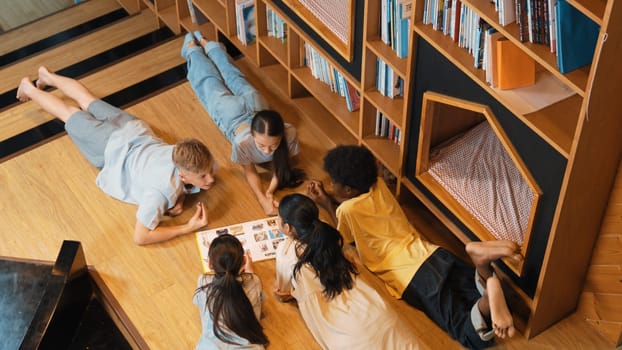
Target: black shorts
444 289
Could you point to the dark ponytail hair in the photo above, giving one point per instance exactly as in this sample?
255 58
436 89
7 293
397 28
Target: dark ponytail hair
269 122
322 245
226 300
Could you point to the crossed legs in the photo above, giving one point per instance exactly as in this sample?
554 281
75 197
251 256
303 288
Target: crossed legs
492 303
50 102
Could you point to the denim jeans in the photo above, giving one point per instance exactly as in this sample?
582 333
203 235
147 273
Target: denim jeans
222 89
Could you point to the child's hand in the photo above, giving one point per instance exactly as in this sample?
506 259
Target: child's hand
315 191
248 263
199 219
269 205
282 296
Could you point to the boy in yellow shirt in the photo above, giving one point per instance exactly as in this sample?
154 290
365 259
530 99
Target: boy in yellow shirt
426 276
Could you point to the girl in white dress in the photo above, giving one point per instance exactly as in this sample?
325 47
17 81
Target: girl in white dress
340 309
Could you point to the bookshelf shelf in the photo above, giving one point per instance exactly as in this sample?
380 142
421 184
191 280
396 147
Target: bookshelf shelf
216 13
390 107
169 16
330 100
594 9
335 130
384 150
276 48
389 56
150 5
278 74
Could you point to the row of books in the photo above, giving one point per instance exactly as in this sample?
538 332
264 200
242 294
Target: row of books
246 25
387 129
395 24
276 27
324 71
575 34
387 81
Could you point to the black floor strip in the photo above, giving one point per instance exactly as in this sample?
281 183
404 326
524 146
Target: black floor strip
101 60
124 98
63 36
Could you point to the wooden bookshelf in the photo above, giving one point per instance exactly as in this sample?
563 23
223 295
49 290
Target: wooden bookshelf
578 128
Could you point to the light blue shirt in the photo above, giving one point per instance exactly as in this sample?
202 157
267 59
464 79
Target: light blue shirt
253 289
245 151
138 169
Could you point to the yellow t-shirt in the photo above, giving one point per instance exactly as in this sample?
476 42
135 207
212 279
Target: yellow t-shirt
386 242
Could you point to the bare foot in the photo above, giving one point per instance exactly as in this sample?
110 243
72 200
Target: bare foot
482 253
45 78
502 321
24 89
191 43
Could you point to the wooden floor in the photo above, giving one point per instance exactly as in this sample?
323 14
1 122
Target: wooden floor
48 195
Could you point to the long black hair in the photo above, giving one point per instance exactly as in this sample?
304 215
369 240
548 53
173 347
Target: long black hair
271 123
226 300
321 245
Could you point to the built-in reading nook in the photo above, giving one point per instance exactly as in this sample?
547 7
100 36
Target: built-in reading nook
466 160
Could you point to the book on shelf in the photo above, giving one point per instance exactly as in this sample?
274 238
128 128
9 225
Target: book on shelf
385 128
259 238
402 27
515 68
507 11
576 37
353 96
552 4
276 26
521 20
493 37
245 21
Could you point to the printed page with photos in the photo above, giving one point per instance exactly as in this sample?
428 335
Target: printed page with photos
259 237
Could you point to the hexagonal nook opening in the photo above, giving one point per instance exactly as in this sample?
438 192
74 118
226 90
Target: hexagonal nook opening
467 161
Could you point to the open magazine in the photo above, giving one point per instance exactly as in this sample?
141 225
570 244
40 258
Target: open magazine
259 237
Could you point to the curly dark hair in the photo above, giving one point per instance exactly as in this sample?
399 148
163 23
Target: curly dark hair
352 166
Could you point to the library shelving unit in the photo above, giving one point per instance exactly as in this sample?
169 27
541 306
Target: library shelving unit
570 147
396 109
577 139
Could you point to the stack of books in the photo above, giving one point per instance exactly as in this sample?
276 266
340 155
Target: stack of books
324 71
395 24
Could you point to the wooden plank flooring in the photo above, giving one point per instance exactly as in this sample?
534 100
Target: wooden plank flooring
50 25
48 195
81 48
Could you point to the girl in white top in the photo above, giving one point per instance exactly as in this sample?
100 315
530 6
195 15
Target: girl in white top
340 309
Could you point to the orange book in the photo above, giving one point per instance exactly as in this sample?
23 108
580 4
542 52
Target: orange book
515 68
494 80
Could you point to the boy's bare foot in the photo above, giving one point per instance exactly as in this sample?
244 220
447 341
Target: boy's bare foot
24 89
483 253
502 321
45 78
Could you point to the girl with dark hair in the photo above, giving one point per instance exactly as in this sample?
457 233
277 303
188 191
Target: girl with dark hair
257 135
229 301
340 309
